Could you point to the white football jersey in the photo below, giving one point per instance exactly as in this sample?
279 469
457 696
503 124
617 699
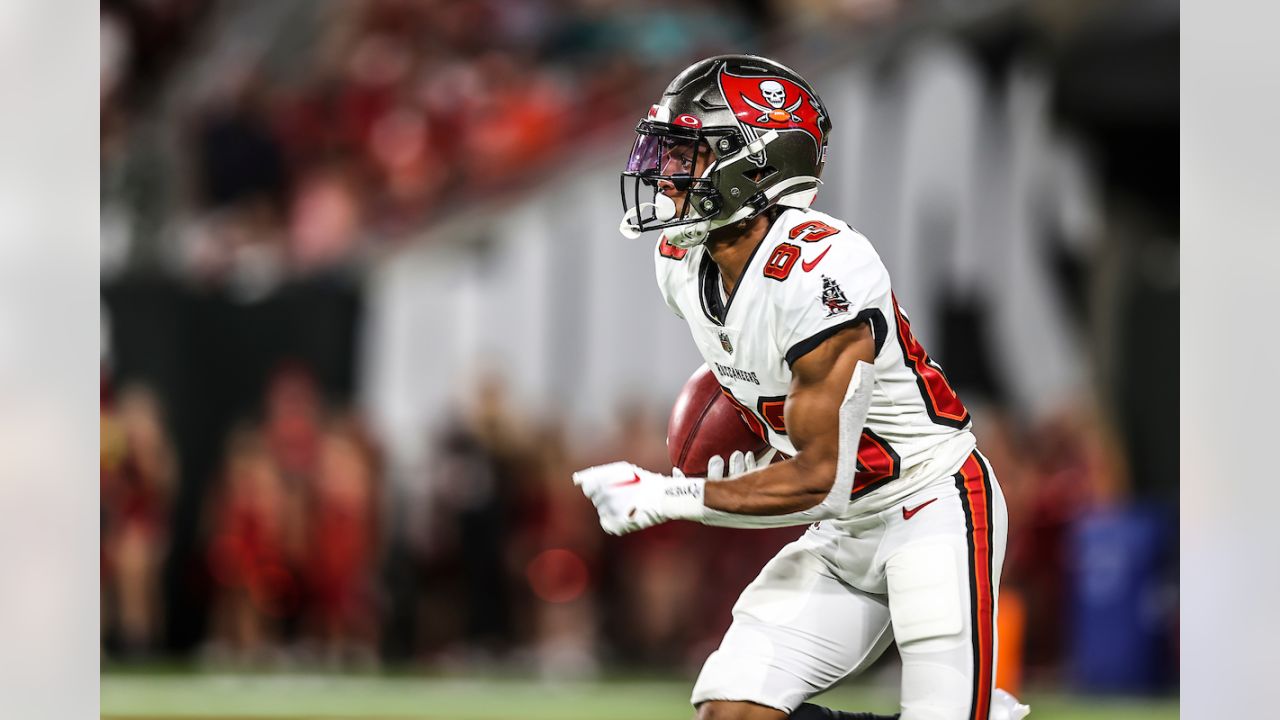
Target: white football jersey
810 277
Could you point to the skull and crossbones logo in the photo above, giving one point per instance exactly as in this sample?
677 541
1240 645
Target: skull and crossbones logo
776 95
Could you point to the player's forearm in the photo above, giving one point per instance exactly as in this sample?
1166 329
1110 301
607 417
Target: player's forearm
790 486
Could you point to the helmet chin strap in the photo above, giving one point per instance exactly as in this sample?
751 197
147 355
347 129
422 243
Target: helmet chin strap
796 199
687 236
693 234
664 208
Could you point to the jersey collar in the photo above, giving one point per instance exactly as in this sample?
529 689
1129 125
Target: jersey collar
710 284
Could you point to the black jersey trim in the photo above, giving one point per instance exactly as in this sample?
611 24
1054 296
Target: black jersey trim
895 465
709 275
879 329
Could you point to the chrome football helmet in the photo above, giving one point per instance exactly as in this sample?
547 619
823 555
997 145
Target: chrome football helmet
763 132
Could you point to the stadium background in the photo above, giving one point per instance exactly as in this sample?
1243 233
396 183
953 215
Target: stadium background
364 309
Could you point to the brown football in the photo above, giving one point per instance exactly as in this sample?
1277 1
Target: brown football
705 422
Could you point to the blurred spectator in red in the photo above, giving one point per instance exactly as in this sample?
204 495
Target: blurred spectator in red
341 548
479 459
255 551
293 414
324 218
520 116
557 546
409 171
138 469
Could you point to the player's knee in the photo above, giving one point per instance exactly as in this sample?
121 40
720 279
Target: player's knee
928 595
725 710
926 592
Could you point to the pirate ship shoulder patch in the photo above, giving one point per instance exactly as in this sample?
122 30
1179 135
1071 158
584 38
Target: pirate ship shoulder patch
833 298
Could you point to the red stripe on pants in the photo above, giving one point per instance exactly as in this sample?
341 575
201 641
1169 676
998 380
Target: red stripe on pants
975 487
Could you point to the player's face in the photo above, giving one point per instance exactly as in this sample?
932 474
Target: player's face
681 159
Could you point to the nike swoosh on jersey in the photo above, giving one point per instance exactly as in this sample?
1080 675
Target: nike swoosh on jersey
635 478
808 266
908 514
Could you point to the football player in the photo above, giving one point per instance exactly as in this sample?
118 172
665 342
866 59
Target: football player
793 311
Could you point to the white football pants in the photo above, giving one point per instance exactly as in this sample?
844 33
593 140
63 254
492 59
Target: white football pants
924 573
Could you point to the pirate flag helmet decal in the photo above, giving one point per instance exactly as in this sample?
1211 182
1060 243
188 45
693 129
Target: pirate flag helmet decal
732 136
772 104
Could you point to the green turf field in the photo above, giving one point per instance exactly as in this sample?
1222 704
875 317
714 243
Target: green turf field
218 697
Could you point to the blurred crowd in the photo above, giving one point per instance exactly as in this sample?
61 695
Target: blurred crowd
501 562
507 565
394 112
289 528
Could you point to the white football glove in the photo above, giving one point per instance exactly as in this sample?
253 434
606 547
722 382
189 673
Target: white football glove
630 498
740 463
